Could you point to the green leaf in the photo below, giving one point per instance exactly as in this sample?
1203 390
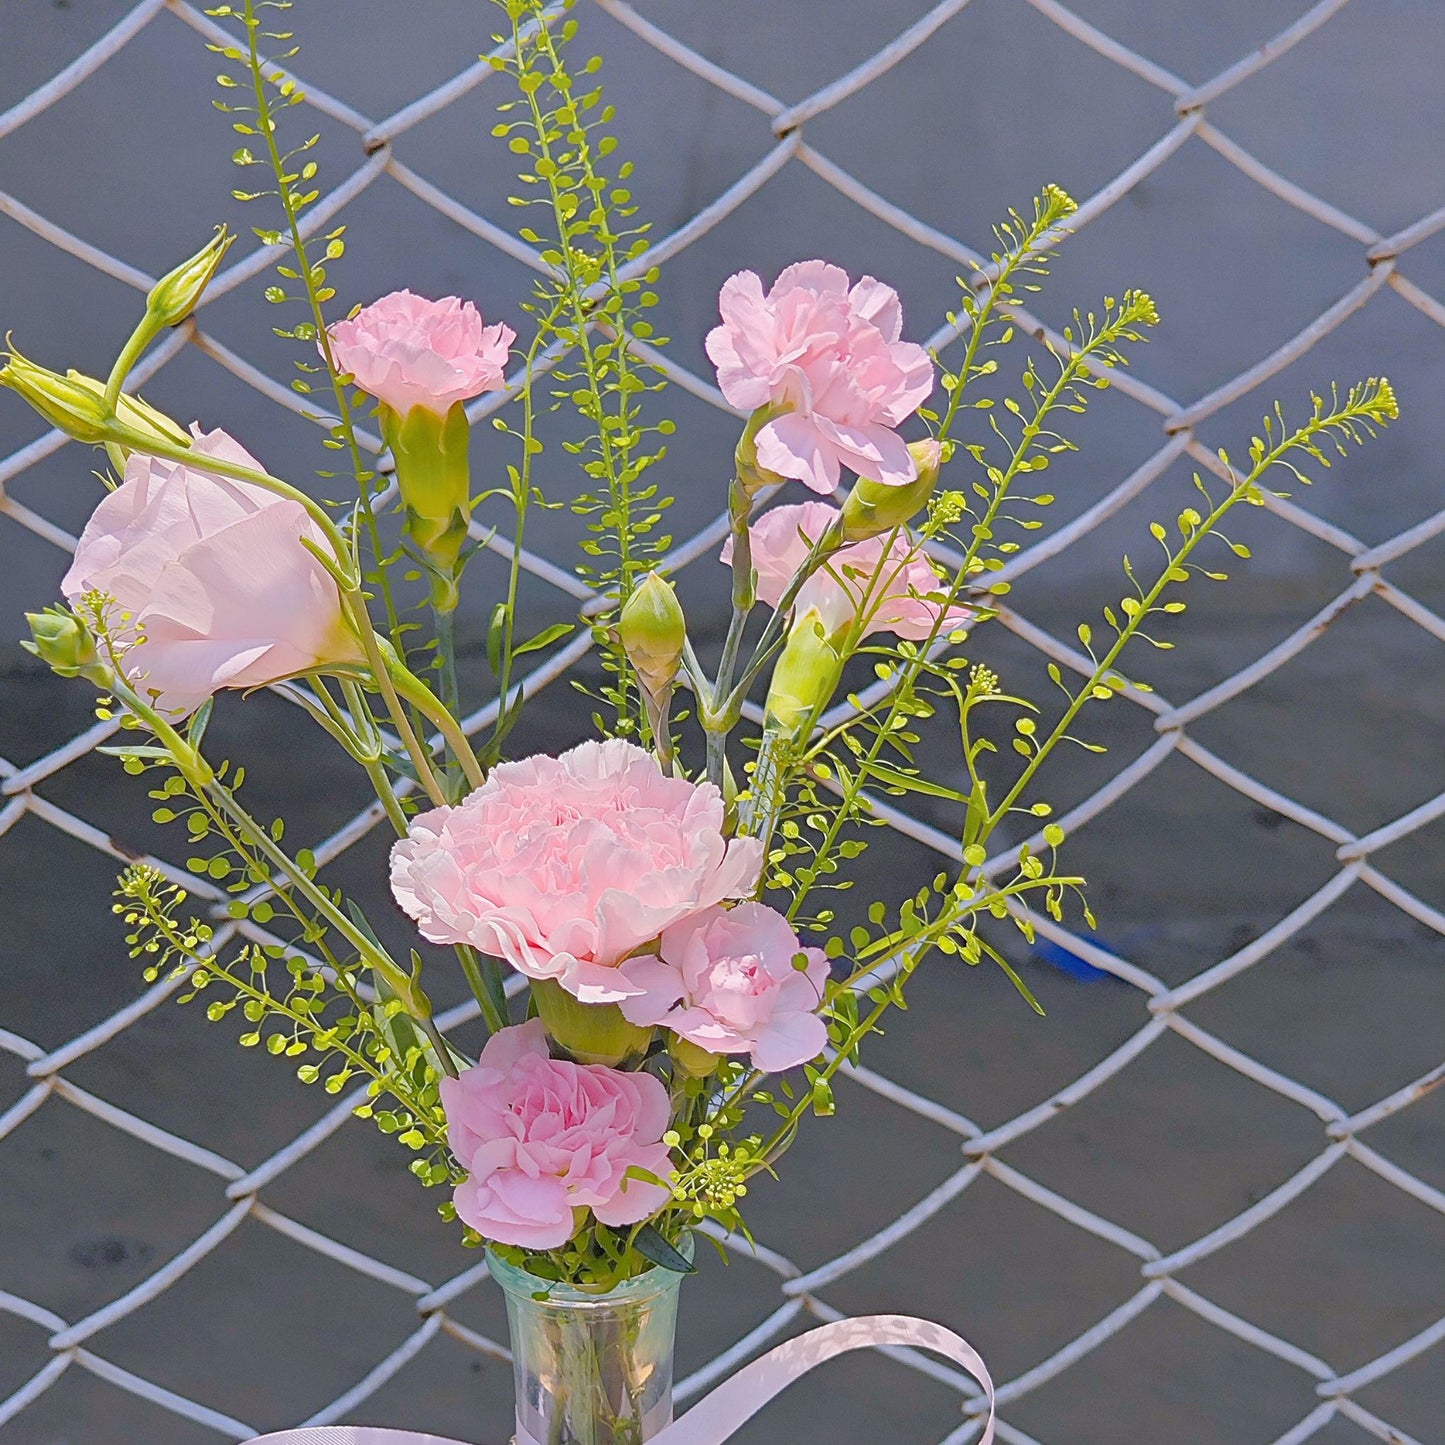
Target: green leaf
651 1245
545 638
912 783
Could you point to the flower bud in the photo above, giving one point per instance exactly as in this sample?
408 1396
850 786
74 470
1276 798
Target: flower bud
137 416
64 402
62 641
693 1060
752 477
805 677
873 508
653 630
434 477
591 1033
176 295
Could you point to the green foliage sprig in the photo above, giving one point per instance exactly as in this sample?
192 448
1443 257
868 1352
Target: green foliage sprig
589 309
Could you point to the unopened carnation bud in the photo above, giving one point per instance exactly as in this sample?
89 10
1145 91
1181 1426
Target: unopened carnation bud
433 474
64 402
805 677
873 508
752 477
591 1033
653 630
62 641
176 295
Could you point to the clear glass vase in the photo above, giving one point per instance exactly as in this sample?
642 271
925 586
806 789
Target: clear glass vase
590 1369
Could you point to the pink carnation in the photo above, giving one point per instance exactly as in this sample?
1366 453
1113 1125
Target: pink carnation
564 866
896 585
211 575
407 351
727 982
541 1137
831 356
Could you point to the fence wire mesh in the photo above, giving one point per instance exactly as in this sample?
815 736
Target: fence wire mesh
240 1192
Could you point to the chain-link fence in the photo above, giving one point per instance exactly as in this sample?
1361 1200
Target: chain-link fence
1200 1201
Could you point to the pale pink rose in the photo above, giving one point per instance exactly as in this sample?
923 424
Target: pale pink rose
407 351
564 866
727 982
893 581
831 356
540 1137
210 573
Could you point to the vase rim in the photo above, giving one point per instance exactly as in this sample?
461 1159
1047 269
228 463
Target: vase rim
523 1284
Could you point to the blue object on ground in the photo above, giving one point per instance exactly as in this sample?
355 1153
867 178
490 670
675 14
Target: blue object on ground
1072 964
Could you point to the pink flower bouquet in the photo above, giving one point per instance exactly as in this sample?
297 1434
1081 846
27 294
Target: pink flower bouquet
654 927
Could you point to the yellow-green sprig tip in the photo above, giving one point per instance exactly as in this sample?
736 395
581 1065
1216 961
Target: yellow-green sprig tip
1056 201
177 294
1386 406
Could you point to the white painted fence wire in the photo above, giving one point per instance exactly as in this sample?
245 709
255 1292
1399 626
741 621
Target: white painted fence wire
80 1344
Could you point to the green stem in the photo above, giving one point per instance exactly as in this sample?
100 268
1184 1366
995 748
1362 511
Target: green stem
486 989
130 353
380 665
446 636
382 784
714 714
415 691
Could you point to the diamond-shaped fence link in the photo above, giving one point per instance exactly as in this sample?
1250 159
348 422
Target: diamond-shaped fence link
241 1194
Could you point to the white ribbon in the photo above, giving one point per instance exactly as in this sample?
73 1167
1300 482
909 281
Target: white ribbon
715 1419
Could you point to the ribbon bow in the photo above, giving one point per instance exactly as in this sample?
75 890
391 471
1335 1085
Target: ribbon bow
715 1419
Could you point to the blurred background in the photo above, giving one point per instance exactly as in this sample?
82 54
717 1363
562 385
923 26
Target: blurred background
1201 1200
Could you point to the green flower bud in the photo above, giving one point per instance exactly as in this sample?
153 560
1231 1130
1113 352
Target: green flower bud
139 417
434 477
752 477
591 1033
61 640
64 402
176 295
805 676
653 630
873 508
694 1061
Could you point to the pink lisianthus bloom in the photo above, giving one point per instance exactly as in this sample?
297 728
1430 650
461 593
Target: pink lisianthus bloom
895 582
407 351
541 1137
564 866
210 581
727 981
831 356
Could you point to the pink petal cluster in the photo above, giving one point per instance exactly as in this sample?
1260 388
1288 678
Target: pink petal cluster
726 981
407 351
542 1137
831 355
895 580
211 575
563 866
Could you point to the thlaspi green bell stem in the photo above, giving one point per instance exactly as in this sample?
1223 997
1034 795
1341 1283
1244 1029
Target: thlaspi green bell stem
202 777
